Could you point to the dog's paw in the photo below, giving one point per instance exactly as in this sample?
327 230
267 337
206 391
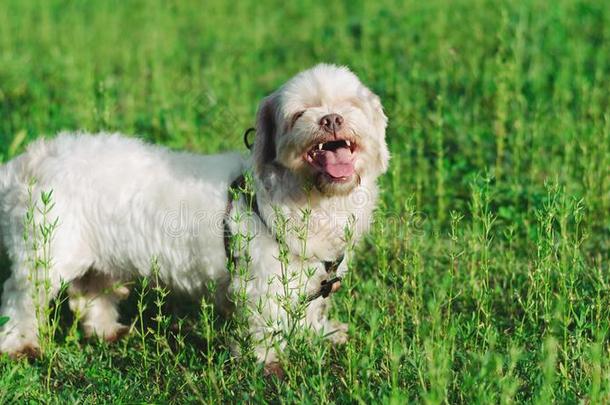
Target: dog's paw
119 332
17 346
30 352
274 369
336 332
109 333
120 291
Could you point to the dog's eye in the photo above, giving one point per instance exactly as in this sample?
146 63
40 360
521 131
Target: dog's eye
296 116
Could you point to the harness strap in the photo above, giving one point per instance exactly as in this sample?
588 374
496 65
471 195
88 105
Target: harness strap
238 185
328 286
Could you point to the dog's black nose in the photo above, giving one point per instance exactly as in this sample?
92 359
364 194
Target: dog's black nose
331 123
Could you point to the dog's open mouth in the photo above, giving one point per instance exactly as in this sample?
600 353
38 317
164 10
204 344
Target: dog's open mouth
334 158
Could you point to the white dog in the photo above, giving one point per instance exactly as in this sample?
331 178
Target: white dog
319 148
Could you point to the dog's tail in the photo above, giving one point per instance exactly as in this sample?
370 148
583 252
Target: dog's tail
8 182
8 187
4 183
3 178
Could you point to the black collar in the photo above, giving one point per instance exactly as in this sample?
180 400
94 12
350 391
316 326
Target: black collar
239 186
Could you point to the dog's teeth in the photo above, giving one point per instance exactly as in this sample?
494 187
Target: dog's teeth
348 143
320 146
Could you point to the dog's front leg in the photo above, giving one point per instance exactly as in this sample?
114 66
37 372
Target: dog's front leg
264 323
272 306
269 319
267 305
318 309
317 319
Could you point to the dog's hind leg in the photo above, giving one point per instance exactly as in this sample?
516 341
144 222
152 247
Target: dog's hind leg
317 320
94 299
19 336
25 298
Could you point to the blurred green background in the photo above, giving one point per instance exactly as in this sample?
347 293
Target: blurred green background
493 288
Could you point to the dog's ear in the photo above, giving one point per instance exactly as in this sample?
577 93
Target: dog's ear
266 128
380 122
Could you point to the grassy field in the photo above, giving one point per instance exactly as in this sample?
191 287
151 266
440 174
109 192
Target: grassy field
486 277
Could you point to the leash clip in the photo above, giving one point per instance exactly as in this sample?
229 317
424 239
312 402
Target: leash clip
330 286
246 141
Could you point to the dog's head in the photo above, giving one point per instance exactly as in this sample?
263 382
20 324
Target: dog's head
326 127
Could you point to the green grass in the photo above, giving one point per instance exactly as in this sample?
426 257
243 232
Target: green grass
485 279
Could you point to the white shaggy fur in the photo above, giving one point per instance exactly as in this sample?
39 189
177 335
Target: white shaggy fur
121 202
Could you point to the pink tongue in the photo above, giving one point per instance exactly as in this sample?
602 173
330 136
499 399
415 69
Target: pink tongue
337 163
